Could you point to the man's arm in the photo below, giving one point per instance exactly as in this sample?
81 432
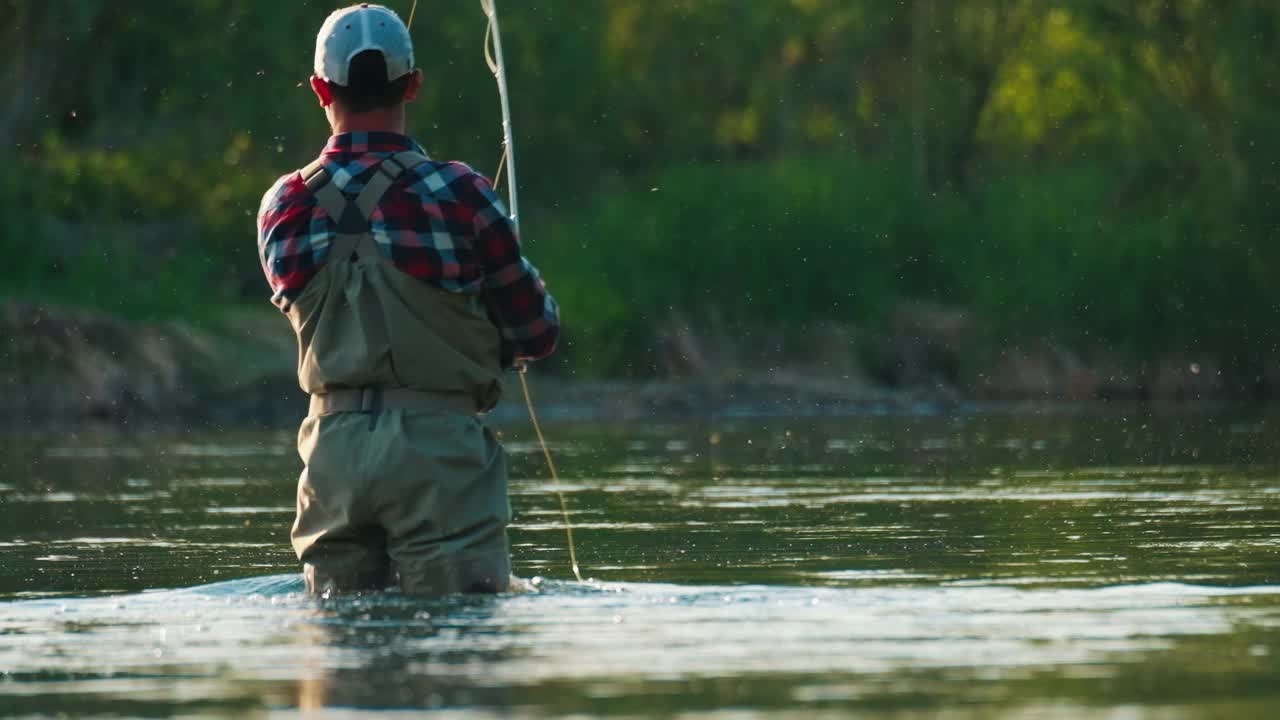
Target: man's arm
523 310
285 239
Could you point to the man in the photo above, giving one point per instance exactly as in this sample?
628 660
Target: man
404 281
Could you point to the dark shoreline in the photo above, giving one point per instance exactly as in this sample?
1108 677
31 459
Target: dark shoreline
68 365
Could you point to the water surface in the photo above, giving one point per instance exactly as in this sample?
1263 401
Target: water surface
1097 565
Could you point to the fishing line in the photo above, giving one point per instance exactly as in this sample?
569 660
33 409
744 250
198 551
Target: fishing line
555 477
493 58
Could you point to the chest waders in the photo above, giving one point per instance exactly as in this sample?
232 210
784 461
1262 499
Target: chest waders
402 481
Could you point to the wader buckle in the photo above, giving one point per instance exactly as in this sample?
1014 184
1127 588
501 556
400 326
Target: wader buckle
371 403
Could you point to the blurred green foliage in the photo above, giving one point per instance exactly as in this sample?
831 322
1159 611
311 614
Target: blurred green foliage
1100 172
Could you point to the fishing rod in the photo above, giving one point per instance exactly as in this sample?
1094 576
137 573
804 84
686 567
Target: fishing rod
497 65
493 56
493 41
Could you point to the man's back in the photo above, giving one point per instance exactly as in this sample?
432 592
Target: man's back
405 284
440 223
400 275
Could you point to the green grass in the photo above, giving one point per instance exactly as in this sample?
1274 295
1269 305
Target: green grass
820 239
753 251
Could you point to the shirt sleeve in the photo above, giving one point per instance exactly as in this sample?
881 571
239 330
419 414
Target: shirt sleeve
287 239
523 310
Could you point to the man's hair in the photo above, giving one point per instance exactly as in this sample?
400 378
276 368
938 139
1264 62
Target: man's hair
368 88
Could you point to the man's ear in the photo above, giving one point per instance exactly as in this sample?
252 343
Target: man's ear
415 84
321 88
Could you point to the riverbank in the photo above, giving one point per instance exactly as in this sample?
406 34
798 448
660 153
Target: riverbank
236 367
61 363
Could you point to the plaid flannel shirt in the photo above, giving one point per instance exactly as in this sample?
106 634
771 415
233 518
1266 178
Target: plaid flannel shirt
440 222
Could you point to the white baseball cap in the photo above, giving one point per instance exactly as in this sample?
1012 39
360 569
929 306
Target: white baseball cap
350 31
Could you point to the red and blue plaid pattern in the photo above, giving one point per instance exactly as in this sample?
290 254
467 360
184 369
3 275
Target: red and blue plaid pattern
440 222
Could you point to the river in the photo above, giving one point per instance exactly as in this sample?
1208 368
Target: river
979 565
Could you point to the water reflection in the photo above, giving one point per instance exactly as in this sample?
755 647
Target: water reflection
892 636
394 652
789 567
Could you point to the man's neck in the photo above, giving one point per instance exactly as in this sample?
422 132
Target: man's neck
391 121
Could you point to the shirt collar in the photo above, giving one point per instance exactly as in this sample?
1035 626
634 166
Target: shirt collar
359 143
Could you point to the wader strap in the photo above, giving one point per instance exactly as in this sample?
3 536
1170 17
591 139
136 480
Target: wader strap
354 217
367 201
328 197
405 160
333 201
389 169
373 400
313 171
361 245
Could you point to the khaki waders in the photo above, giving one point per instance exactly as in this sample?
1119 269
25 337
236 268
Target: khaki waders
402 480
